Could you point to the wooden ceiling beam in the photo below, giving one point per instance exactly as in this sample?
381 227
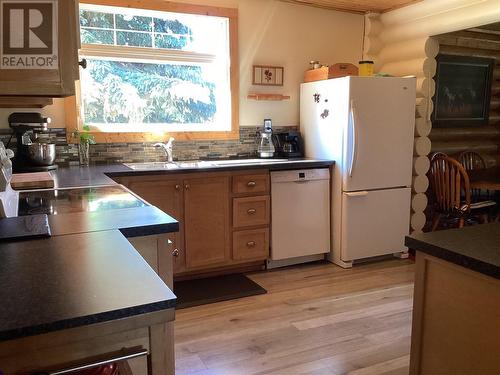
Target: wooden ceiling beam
356 6
323 6
484 31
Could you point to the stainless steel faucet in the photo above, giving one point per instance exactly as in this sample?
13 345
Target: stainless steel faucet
168 148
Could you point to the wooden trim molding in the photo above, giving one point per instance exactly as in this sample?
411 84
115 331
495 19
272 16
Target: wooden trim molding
73 120
168 6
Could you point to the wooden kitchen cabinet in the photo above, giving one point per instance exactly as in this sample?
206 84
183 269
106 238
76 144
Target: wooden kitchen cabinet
257 183
56 82
201 205
251 211
251 244
206 219
141 336
251 215
168 196
157 251
216 230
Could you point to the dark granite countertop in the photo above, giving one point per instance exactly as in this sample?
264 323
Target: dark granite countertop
131 222
98 208
96 175
74 280
476 247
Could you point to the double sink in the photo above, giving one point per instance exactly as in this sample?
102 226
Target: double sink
202 164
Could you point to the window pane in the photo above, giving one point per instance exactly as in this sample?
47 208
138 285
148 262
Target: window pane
96 19
123 90
130 38
189 32
96 36
171 41
118 92
129 22
170 26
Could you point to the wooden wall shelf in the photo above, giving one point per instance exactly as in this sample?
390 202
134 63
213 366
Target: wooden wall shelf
274 97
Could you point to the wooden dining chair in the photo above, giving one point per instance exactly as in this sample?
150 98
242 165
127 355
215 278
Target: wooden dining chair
452 194
472 160
430 210
436 154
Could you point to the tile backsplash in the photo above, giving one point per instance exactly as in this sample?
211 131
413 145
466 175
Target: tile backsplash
112 153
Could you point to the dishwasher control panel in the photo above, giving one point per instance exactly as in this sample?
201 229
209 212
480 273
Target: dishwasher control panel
301 175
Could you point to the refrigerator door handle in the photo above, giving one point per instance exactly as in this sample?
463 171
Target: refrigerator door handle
354 139
357 194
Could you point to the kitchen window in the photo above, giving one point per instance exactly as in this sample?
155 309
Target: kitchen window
157 71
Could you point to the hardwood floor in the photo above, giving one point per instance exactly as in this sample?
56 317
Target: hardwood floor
315 319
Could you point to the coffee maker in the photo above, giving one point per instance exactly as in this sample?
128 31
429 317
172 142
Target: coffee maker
289 145
266 146
33 154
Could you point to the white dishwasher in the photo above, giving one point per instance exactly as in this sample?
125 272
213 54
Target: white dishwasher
300 210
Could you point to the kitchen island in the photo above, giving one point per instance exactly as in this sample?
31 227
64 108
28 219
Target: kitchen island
456 314
99 290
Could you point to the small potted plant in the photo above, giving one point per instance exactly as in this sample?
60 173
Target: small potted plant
85 139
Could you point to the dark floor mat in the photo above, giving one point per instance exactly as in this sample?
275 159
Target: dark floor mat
214 289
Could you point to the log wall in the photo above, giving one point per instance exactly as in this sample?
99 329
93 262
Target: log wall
400 42
486 139
417 57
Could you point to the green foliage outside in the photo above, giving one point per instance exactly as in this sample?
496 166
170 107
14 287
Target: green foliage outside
137 92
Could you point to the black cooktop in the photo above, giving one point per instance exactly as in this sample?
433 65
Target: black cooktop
63 201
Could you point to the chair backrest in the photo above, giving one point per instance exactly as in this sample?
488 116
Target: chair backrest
450 184
471 160
436 154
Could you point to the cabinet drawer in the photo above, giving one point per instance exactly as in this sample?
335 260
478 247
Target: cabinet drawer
251 183
251 244
251 211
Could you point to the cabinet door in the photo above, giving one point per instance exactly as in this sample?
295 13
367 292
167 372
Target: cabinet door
58 81
167 195
206 221
147 246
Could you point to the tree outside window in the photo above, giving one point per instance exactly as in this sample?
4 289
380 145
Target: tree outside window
149 70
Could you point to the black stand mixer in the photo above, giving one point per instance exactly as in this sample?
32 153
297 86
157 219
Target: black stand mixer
33 154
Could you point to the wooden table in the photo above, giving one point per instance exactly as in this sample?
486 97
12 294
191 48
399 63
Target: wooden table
486 179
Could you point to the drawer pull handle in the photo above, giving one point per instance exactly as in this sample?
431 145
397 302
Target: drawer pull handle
177 187
186 187
251 244
251 211
251 184
176 253
123 357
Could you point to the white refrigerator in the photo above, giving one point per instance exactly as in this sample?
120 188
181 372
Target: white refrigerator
365 124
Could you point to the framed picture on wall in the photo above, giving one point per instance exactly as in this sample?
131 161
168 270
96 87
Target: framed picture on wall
264 75
463 90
